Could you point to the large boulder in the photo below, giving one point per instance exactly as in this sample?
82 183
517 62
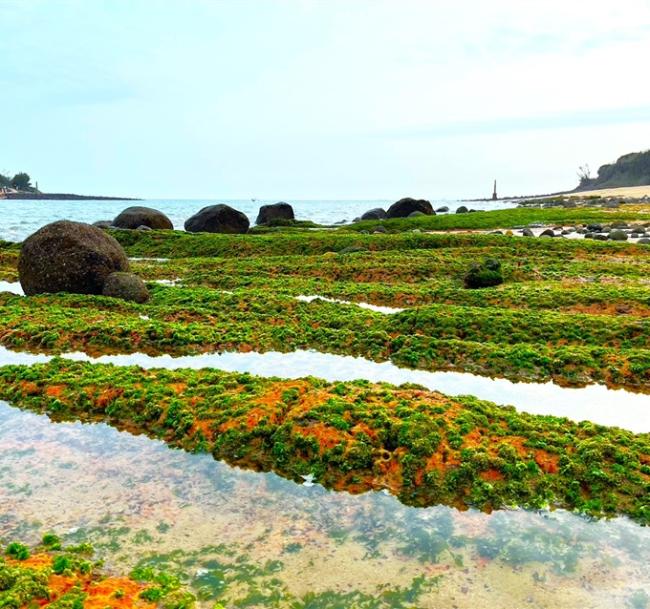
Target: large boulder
404 207
375 214
217 219
134 217
126 286
69 257
277 211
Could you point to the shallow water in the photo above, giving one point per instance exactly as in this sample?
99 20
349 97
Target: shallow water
596 403
12 287
363 305
19 219
237 535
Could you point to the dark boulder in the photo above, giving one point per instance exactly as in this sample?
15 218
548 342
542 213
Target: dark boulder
442 210
527 233
644 241
404 207
547 233
69 257
462 210
126 286
217 219
274 212
375 214
133 217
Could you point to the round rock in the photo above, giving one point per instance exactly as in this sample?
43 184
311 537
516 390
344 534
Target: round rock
404 207
126 286
217 219
134 217
375 214
276 211
69 257
103 224
618 235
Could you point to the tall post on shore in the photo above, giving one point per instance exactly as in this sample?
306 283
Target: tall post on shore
494 192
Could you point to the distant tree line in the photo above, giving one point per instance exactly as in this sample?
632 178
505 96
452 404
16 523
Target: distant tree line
20 181
629 170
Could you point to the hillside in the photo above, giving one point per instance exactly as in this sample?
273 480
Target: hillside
631 169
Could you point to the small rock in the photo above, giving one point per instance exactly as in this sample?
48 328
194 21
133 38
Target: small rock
547 233
126 286
618 235
462 210
527 233
442 210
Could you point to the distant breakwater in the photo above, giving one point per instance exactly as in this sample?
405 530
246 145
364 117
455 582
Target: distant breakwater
61 197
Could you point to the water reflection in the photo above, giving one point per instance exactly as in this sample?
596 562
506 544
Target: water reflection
257 540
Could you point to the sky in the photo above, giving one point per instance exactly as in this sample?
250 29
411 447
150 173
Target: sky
318 99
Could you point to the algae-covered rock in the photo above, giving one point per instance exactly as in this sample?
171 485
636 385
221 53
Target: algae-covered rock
69 256
484 275
126 286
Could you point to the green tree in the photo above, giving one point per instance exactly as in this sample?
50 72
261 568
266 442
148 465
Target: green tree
21 181
5 180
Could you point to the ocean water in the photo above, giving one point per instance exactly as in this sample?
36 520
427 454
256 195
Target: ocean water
19 219
248 539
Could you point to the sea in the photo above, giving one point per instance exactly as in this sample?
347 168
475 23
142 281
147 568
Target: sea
20 218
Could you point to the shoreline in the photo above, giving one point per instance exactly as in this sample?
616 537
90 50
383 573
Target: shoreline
60 197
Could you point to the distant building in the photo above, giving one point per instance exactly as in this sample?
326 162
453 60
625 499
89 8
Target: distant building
494 192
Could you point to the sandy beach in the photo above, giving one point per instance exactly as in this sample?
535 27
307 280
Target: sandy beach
626 191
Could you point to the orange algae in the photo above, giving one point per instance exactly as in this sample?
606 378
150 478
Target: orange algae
54 391
108 593
326 436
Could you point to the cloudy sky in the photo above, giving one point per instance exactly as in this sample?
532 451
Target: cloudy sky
320 99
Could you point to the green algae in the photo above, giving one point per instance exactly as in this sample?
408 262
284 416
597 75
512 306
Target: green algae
571 348
421 446
60 577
